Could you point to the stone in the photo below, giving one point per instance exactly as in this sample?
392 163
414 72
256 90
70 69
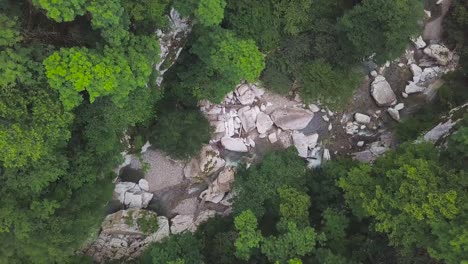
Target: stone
264 123
365 156
273 138
431 73
330 127
146 198
419 42
285 139
362 118
133 200
218 188
382 91
439 131
377 148
219 126
257 91
144 185
181 223
186 207
247 98
326 154
360 144
210 160
439 52
234 144
292 118
314 108
428 13
243 88
414 88
145 147
404 95
394 113
325 118
374 74
248 117
303 143
263 108
122 187
202 218
399 106
417 71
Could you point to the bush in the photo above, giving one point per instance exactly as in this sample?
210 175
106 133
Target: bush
181 133
148 223
319 81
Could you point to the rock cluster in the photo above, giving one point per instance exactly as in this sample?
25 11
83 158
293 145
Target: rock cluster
133 195
122 238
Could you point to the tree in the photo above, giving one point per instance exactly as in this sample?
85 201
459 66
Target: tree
319 81
113 72
249 237
33 121
411 196
9 30
180 248
210 12
148 14
225 61
260 182
381 27
62 11
182 133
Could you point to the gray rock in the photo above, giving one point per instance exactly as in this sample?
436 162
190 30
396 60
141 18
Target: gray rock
360 144
414 88
248 117
399 106
303 143
181 223
374 74
314 108
247 98
439 131
417 71
362 118
234 144
144 185
264 123
382 92
419 43
272 137
439 52
394 113
292 118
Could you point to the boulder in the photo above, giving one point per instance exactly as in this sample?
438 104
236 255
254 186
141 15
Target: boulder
248 117
292 118
273 138
382 92
374 74
264 123
394 113
399 106
205 164
431 73
247 98
218 188
144 185
439 52
137 200
417 71
414 88
360 144
181 223
439 131
243 88
362 118
234 144
314 108
419 43
303 143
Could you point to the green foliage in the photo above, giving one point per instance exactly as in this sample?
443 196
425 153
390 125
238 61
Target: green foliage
148 223
294 206
295 14
225 61
249 237
458 147
382 27
148 14
112 73
109 16
334 227
62 10
182 133
210 12
321 82
260 182
32 118
294 242
252 20
9 30
180 248
410 196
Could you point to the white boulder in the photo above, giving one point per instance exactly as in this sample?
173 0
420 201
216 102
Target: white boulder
292 118
419 42
382 91
303 143
234 144
264 123
439 52
248 117
362 118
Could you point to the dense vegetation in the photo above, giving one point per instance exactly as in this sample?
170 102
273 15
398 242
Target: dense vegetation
78 89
